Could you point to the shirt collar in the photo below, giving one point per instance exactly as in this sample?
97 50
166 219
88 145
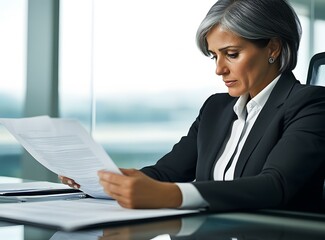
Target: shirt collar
257 102
239 107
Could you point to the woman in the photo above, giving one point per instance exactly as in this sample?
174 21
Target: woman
262 144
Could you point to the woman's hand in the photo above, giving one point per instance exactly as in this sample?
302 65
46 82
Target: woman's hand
68 181
136 190
148 230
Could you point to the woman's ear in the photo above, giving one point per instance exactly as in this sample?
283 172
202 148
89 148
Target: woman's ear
275 47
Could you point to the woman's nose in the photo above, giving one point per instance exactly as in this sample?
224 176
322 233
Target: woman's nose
221 67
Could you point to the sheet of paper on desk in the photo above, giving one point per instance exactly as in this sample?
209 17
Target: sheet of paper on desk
71 215
64 147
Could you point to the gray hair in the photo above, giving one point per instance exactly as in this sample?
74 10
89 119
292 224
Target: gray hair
257 21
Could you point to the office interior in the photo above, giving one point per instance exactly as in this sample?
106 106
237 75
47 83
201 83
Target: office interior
131 73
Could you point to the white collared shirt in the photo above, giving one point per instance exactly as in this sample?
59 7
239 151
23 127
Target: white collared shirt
247 115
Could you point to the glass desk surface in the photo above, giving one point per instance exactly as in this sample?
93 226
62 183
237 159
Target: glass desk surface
266 225
230 226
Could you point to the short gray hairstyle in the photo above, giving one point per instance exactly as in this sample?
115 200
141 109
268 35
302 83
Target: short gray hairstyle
257 21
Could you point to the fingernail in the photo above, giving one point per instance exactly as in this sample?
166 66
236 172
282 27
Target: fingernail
75 186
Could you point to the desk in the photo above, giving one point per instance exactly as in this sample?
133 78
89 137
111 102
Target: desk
266 225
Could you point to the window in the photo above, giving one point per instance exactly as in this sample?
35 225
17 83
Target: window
13 70
149 79
312 17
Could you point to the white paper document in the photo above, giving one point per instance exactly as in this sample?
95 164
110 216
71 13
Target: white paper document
71 215
64 147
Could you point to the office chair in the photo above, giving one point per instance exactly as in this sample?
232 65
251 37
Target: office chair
316 76
316 70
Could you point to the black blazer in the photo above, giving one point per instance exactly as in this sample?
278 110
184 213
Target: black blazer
281 164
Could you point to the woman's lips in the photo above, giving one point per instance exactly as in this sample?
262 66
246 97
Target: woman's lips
230 83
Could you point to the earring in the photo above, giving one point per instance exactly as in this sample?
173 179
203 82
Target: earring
271 60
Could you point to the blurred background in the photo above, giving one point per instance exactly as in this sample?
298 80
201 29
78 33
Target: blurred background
128 70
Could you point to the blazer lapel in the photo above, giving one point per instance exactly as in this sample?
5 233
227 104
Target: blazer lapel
219 133
276 99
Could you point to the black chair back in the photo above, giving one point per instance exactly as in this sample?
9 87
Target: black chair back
316 76
316 71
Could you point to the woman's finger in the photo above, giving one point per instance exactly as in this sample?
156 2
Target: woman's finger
68 181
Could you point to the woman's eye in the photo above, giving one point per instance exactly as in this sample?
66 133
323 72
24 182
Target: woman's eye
232 55
214 57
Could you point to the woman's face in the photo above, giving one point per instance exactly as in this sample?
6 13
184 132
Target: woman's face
243 66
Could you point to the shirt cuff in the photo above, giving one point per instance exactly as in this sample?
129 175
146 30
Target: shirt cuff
191 196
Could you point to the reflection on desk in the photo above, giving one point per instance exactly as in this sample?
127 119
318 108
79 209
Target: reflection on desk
205 227
11 231
228 226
